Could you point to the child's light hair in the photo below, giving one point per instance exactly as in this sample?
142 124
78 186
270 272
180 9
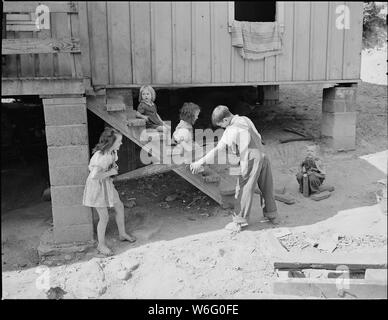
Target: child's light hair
150 89
219 113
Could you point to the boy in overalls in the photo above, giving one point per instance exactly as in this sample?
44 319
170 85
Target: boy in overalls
242 138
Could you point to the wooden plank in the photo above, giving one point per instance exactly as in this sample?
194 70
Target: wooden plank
181 18
19 22
335 44
98 42
329 288
61 30
19 16
27 67
201 43
75 33
301 41
319 20
38 86
161 45
141 42
221 39
10 67
19 27
270 68
146 171
30 6
353 42
84 39
285 59
120 68
33 45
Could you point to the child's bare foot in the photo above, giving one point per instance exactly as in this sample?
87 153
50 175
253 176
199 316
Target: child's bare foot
127 237
104 250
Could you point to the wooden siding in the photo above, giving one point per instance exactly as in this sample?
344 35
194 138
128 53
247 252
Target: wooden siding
188 43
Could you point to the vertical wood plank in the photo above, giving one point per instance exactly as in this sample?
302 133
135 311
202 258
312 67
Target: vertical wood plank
61 29
301 41
161 42
286 58
181 16
120 69
202 61
222 43
46 67
319 20
353 42
336 45
75 33
141 42
10 68
270 68
84 38
27 65
238 66
98 42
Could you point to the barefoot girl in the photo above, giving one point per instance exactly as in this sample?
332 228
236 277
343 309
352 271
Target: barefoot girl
100 192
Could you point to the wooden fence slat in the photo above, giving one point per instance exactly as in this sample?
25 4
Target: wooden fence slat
34 45
119 42
30 6
181 14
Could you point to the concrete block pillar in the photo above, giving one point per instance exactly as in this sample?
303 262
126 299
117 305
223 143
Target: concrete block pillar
270 94
68 157
339 118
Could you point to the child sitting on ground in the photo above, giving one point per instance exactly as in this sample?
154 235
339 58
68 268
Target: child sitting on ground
147 110
100 192
311 166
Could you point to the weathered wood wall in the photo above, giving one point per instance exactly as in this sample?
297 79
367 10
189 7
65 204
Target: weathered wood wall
188 43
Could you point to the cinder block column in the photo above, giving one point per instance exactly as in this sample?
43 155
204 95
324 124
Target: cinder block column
270 94
68 157
339 117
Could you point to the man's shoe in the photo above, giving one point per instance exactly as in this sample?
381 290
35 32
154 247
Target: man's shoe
274 221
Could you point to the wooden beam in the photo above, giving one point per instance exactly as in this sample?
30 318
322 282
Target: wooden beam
30 6
292 265
146 171
331 288
227 84
38 86
35 45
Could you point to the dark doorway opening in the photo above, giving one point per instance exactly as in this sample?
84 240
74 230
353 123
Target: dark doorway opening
255 11
24 163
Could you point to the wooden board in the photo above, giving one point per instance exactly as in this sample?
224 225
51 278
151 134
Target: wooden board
141 41
335 46
181 46
84 39
39 86
28 46
301 44
352 42
329 288
285 59
220 39
119 41
161 42
30 6
202 71
318 40
98 40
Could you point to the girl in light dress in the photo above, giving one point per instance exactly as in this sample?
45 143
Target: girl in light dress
100 192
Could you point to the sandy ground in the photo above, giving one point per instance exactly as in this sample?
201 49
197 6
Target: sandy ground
184 252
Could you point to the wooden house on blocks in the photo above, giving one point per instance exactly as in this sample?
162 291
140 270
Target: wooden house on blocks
78 56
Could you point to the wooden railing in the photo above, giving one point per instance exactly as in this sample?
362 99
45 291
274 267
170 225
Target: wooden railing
29 51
